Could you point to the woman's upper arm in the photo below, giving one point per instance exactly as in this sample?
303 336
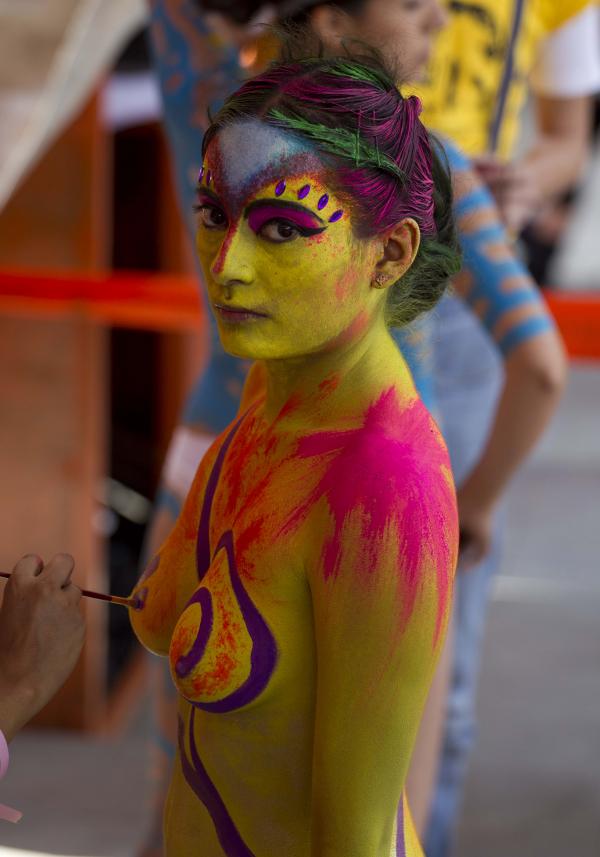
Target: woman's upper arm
196 71
379 623
494 282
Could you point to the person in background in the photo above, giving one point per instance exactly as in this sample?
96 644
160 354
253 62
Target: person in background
491 55
41 636
195 71
485 60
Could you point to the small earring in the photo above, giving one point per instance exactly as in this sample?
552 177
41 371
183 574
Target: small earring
380 280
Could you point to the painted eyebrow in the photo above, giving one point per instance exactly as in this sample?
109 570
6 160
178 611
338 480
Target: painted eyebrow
283 204
202 190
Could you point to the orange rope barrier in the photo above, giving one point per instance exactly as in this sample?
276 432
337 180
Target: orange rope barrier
162 302
171 302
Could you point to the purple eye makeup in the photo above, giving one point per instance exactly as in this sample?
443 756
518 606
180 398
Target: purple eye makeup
261 212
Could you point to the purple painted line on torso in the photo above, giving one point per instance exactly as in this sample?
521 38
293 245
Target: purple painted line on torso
198 780
203 543
400 843
262 663
264 648
186 663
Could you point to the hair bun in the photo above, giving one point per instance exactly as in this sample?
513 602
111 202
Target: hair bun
414 103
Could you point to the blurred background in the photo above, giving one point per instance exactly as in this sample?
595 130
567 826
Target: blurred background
101 335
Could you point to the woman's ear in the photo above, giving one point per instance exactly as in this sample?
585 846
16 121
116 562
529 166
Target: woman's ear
400 248
332 25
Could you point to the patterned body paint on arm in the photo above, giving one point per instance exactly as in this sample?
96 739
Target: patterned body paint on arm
494 282
196 71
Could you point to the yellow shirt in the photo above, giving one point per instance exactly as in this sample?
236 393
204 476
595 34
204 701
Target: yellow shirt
474 91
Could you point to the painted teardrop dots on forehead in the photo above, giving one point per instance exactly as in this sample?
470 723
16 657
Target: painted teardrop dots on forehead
201 174
304 191
208 178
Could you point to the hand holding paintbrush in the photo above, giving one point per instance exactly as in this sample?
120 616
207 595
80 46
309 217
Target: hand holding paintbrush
41 635
113 599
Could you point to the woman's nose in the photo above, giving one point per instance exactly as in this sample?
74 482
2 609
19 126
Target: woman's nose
233 262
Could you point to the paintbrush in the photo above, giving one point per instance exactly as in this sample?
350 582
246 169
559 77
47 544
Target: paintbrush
114 599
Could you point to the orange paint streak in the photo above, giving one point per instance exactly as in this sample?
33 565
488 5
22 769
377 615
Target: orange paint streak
219 263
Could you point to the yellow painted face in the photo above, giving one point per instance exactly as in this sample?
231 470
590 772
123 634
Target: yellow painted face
285 274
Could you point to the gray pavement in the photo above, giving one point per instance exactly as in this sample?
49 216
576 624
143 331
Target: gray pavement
534 785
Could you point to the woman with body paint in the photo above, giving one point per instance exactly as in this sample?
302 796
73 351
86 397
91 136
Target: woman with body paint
194 68
303 595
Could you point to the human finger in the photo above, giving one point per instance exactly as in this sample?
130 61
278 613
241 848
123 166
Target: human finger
28 566
491 170
488 161
72 592
59 570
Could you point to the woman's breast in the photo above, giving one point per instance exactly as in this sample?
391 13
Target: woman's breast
246 629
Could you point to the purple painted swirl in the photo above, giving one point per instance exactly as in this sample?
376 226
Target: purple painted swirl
263 658
186 663
201 784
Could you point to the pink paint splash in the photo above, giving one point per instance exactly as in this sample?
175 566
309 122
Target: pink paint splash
393 472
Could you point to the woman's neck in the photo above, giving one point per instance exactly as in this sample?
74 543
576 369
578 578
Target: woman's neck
335 385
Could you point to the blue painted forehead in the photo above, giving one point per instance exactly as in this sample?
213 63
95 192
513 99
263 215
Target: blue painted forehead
251 153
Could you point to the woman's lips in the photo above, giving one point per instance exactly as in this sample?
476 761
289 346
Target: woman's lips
237 314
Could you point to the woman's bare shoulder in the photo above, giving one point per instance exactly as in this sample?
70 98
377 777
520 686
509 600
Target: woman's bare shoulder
403 434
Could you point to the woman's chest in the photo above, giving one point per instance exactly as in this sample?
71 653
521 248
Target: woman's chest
247 627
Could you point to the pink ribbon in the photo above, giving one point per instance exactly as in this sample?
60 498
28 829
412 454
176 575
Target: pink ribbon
7 813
